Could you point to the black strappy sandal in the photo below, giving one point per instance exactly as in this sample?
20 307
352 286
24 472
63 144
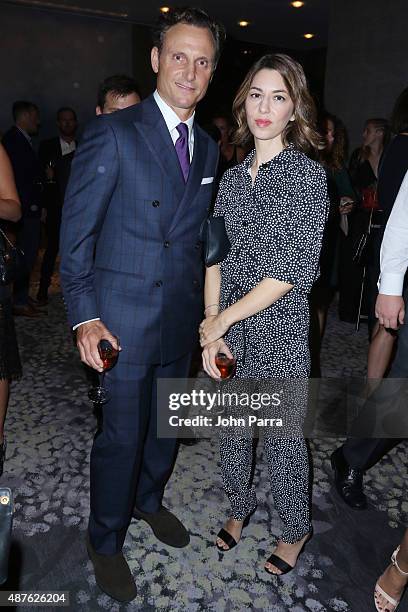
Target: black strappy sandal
284 567
227 537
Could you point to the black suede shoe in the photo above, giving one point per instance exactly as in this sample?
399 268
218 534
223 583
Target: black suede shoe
348 481
112 574
166 527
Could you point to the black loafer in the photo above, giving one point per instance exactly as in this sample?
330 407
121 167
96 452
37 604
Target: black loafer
112 574
348 481
165 526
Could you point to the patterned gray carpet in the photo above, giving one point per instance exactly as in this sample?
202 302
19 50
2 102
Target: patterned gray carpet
50 427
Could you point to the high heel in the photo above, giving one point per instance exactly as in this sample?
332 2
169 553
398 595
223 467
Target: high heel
227 537
379 592
3 448
284 567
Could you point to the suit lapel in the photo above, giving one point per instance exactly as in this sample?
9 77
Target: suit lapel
194 178
27 145
154 130
57 147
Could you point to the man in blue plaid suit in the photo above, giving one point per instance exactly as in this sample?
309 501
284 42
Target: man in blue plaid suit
131 266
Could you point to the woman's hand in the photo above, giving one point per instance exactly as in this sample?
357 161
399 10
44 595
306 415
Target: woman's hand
212 328
346 205
209 353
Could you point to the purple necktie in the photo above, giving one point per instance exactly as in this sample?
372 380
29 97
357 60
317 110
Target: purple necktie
182 149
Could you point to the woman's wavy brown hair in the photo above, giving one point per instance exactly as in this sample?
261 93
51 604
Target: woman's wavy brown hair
302 131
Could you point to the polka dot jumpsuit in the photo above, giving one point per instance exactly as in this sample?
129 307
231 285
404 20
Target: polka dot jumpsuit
275 227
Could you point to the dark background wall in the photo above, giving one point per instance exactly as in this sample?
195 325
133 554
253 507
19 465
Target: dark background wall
367 60
56 60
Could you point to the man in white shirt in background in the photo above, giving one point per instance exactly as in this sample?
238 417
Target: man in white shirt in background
115 93
381 409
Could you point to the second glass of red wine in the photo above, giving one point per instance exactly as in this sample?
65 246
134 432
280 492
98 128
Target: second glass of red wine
226 365
109 356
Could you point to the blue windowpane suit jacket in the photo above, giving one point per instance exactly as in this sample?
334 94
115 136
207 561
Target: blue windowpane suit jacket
130 250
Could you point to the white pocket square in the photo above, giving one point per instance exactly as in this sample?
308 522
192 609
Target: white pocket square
206 181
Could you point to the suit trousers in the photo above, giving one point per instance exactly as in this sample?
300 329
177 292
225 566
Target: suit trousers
28 239
363 453
130 466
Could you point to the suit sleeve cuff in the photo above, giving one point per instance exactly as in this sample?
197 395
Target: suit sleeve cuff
391 284
83 323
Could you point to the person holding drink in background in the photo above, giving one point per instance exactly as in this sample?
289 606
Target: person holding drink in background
275 206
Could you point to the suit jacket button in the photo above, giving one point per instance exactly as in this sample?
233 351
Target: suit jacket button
195 282
158 283
166 244
155 203
197 245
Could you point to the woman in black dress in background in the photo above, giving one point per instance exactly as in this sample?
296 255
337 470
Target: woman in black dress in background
10 367
364 166
275 205
365 160
333 158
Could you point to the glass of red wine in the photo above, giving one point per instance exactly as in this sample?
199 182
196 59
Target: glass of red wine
109 356
226 365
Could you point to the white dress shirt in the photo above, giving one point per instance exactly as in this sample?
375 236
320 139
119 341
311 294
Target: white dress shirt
172 121
394 247
67 147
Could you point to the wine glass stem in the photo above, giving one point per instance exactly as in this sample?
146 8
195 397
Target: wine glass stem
220 384
103 377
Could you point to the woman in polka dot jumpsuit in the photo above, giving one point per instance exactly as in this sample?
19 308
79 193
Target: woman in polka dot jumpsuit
275 207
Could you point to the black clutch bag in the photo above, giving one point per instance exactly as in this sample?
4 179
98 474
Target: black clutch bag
11 260
6 523
215 240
